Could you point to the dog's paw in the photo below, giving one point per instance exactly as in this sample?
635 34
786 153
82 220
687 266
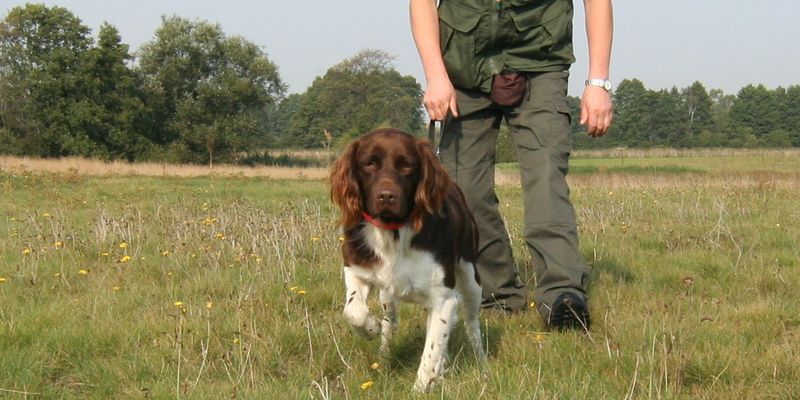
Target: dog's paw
423 385
369 330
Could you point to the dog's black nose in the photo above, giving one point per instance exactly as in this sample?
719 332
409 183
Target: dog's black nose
386 198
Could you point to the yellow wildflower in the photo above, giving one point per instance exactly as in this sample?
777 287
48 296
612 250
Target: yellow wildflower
116 288
315 238
236 340
46 214
532 305
26 251
366 385
375 366
123 245
83 271
165 253
293 288
3 280
125 259
209 221
209 304
220 236
58 244
105 254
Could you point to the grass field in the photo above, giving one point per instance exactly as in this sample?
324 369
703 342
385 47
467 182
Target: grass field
229 286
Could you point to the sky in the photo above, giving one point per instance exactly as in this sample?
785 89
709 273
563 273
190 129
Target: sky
723 44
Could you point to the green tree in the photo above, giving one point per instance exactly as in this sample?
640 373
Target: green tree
633 105
355 96
790 114
45 104
756 108
280 118
208 94
697 108
118 103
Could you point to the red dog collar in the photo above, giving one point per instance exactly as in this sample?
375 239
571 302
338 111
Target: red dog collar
392 226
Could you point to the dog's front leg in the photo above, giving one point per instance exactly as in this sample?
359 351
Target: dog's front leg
389 321
355 307
442 316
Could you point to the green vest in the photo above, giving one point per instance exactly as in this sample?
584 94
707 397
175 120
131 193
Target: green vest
481 38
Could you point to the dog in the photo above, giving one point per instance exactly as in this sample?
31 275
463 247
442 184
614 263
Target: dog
409 234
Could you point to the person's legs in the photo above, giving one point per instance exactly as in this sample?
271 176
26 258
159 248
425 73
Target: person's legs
468 152
540 129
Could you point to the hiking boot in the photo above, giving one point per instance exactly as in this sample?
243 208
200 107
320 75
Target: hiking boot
569 311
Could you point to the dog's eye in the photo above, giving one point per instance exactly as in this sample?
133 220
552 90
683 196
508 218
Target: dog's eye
402 165
371 163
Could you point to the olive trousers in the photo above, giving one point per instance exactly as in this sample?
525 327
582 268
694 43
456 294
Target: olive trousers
539 127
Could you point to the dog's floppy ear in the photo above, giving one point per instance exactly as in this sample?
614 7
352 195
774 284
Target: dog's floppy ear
345 192
432 186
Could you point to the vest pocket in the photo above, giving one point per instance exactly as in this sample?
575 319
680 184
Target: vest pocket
457 41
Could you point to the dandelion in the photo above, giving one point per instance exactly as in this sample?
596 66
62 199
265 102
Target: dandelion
341 238
46 214
26 251
532 305
57 275
123 245
116 288
3 280
180 305
375 366
366 385
58 244
209 304
165 253
209 221
105 254
236 340
125 259
539 338
297 290
220 236
83 271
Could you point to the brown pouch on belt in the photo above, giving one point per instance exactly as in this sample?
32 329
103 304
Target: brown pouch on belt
508 88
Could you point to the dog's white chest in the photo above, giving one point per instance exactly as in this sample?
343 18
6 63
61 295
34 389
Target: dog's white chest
408 274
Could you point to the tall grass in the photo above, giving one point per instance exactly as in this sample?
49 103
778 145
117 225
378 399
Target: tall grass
215 287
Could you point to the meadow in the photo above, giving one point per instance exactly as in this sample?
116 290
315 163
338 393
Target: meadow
126 284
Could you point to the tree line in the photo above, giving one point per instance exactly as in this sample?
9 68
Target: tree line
194 94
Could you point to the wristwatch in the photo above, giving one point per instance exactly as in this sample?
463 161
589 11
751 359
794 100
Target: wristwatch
601 83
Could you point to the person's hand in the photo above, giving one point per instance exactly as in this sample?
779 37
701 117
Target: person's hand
439 98
596 111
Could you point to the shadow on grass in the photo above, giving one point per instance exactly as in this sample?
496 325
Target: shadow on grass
406 349
611 269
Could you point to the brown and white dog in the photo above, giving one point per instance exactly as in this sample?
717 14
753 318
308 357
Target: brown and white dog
409 234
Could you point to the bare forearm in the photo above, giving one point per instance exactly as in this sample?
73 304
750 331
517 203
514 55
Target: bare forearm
599 33
440 97
425 29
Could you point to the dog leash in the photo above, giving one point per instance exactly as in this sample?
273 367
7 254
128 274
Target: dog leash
432 135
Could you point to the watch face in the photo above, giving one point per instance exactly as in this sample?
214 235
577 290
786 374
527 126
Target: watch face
607 85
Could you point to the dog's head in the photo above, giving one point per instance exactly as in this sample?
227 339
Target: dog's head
389 175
